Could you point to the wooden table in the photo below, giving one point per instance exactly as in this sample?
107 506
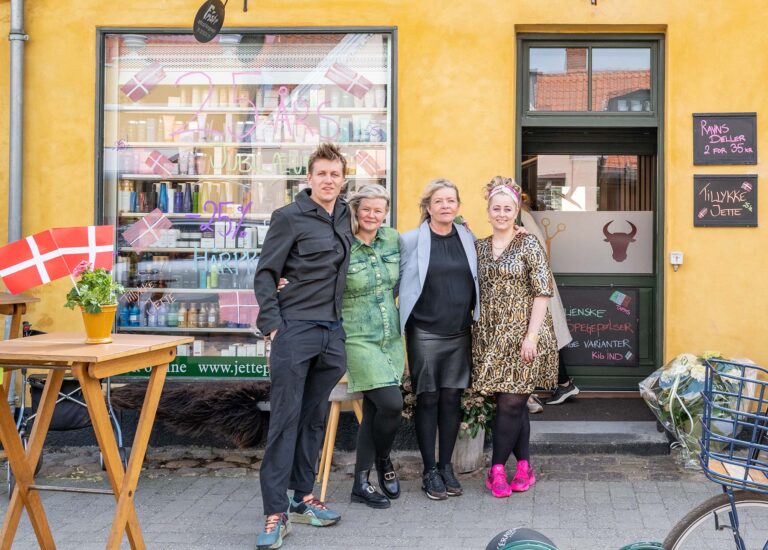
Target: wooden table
14 305
60 352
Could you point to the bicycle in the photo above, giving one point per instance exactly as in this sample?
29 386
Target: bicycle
734 433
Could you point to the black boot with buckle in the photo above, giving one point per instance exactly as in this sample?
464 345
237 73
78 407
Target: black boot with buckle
388 481
365 493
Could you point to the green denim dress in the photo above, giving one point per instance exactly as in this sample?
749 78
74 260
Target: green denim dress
375 351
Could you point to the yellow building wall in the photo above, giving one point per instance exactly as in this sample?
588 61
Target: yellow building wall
456 116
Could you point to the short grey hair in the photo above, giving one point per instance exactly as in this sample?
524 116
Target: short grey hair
370 191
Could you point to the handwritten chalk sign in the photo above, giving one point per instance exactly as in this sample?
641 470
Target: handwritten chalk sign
729 201
604 325
725 138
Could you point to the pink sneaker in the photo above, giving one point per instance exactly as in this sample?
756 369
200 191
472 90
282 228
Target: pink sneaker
496 481
524 477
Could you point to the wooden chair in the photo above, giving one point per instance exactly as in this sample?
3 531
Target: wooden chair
339 397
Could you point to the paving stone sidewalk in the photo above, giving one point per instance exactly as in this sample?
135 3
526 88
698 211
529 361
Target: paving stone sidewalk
206 499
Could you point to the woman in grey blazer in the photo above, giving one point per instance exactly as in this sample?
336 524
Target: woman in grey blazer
439 300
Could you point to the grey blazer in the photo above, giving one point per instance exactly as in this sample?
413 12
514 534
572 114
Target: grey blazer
415 246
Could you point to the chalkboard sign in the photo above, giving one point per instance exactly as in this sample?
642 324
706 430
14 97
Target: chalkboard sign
725 138
208 21
604 325
724 201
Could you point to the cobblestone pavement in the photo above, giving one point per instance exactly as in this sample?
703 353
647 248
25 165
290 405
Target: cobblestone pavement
209 499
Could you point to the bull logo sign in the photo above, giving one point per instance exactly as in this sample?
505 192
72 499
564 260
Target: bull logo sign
619 241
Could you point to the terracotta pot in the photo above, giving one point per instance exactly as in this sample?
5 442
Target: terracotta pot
98 326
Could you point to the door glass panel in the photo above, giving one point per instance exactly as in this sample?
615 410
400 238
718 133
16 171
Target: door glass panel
621 79
557 80
596 210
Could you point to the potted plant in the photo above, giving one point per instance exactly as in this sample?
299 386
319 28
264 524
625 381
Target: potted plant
96 294
477 412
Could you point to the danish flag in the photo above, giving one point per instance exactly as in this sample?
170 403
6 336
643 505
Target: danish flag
54 253
31 262
94 244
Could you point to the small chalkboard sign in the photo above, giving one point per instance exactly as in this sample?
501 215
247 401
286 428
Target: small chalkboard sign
725 201
208 21
725 138
604 325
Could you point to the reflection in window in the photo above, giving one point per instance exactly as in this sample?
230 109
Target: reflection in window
558 79
621 79
589 183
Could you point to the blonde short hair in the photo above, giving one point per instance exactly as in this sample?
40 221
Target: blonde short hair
431 188
370 191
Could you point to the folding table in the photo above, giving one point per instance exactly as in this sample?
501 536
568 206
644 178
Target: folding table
59 353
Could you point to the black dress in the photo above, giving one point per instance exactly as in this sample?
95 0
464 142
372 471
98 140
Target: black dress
438 336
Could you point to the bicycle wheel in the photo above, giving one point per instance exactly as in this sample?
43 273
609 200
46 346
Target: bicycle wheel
698 529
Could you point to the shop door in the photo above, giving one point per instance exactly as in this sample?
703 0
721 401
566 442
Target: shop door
593 194
590 154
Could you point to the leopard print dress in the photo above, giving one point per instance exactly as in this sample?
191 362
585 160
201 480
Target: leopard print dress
508 286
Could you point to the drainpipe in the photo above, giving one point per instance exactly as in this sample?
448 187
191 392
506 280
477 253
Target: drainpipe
15 144
17 38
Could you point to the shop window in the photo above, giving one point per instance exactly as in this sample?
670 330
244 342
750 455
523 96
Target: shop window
201 143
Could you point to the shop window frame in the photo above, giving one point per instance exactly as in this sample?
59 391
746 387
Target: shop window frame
530 117
101 33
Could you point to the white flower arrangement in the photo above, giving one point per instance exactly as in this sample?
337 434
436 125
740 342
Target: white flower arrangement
674 394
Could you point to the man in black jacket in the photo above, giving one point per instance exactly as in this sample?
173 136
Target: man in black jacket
308 243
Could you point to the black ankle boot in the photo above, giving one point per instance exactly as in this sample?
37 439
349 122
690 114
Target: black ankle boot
388 481
365 493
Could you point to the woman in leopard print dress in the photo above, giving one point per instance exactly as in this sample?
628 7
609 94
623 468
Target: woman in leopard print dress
513 343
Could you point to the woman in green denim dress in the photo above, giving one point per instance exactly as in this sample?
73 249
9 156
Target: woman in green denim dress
374 345
375 350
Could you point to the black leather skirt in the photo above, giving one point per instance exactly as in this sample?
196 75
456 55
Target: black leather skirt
439 360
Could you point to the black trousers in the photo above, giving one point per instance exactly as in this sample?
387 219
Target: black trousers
306 362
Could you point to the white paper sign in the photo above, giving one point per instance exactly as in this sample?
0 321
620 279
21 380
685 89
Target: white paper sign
598 242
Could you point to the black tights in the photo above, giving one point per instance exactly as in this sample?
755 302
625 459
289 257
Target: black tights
381 419
441 409
511 428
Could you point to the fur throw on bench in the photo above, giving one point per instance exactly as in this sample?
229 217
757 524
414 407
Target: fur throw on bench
227 411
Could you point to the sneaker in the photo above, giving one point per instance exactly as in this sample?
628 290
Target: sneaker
563 393
276 528
524 477
496 481
433 485
452 485
312 511
535 405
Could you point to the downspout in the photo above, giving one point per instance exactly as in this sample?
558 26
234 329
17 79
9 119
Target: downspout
17 38
16 141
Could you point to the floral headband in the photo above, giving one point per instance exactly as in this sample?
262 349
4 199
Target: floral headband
507 189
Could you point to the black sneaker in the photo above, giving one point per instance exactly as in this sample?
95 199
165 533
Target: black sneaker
452 485
563 393
432 484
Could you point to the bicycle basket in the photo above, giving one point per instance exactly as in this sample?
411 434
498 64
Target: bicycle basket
734 425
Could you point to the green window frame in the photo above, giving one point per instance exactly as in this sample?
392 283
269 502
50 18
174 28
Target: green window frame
589 118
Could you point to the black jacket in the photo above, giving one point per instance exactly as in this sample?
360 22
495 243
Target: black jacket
304 247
